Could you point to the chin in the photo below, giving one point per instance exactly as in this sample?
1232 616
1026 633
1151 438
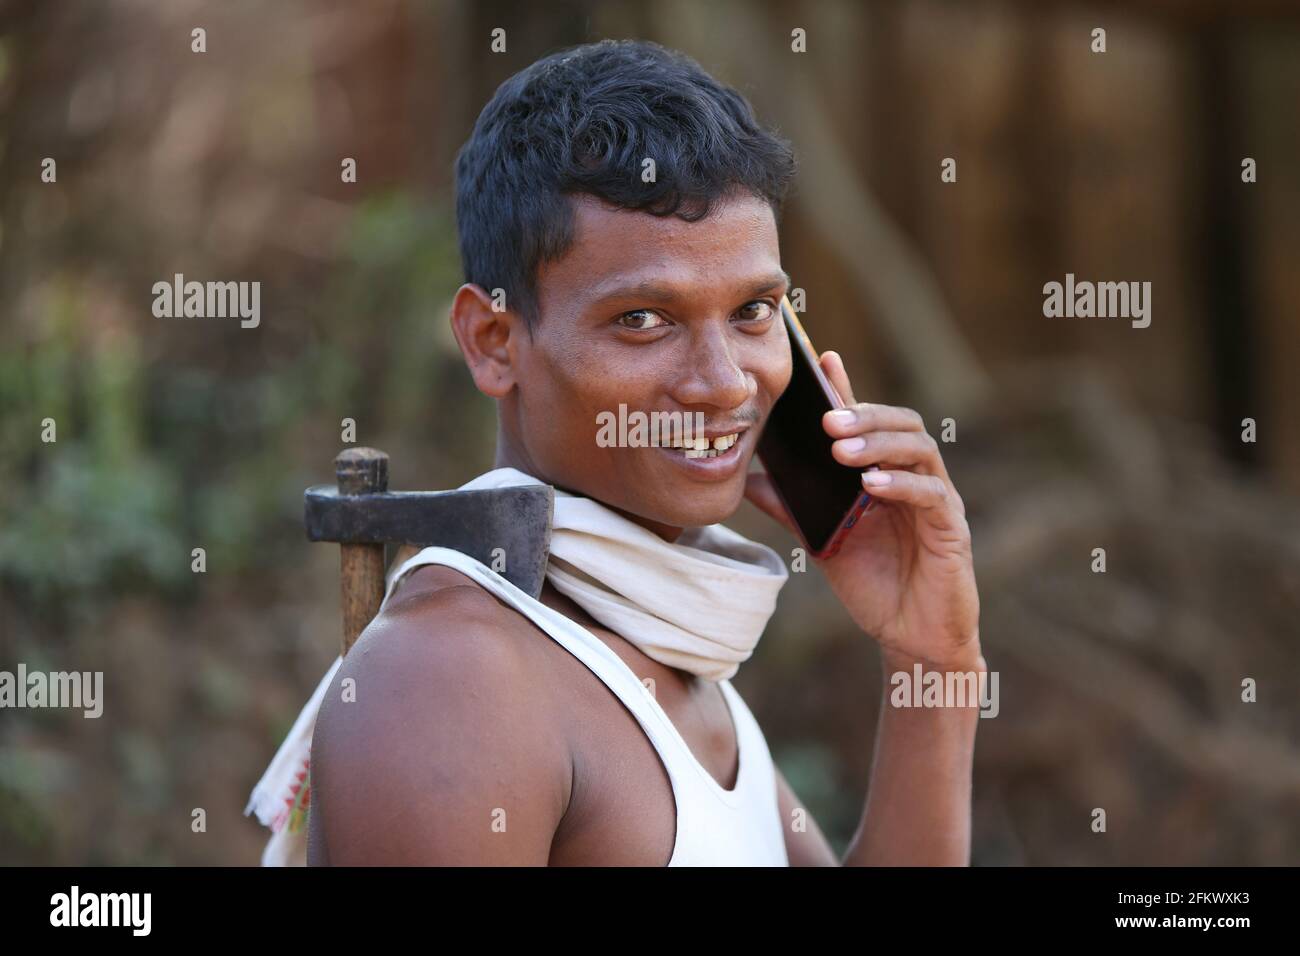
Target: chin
692 507
660 486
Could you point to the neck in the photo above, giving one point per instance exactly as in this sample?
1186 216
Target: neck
512 454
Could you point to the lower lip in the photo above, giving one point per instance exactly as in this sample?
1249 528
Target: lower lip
718 468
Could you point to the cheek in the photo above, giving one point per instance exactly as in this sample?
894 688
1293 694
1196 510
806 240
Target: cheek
586 387
557 371
599 378
772 370
575 387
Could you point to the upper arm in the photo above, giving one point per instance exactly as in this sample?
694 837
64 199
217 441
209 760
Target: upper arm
446 755
805 845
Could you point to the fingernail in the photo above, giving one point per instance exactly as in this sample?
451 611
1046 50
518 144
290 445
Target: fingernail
851 445
842 417
877 478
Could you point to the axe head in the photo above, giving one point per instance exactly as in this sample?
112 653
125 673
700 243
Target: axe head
506 528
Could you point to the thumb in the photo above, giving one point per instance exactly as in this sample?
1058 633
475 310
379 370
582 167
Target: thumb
762 494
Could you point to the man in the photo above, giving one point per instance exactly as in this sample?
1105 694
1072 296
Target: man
488 729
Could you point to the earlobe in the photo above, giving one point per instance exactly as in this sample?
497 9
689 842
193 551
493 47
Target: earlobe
486 338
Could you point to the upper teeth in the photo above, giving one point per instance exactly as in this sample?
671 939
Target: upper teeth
708 448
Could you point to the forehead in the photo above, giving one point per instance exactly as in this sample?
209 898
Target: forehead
736 242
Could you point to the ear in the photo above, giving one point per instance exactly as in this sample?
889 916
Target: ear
488 339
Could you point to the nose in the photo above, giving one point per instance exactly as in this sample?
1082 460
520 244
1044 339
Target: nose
710 374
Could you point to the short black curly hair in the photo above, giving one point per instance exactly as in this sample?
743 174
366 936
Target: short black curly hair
583 120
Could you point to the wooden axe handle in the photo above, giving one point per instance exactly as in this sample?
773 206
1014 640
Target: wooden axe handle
360 471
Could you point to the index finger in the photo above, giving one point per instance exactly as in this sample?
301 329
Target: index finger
865 417
833 366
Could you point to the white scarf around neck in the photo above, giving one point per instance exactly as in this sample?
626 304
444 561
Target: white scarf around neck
698 604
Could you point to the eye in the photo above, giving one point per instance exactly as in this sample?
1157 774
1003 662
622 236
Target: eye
642 320
760 310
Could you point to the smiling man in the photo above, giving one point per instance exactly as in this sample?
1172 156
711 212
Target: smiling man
598 726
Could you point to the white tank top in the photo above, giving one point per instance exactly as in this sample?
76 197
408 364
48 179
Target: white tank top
715 827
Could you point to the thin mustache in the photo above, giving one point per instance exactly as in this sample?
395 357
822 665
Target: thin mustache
748 420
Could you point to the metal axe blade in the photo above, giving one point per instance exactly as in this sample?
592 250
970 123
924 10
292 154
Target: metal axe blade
509 528
495 526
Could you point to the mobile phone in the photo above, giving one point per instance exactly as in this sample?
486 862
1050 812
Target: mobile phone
823 497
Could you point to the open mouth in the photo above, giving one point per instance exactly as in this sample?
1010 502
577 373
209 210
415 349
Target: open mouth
705 447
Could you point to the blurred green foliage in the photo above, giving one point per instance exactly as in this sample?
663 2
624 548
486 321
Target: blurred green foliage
155 455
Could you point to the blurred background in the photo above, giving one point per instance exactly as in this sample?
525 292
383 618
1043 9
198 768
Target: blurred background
1120 690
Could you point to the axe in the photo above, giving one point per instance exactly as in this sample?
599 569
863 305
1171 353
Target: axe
508 528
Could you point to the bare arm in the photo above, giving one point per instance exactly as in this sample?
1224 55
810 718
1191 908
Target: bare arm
446 756
906 576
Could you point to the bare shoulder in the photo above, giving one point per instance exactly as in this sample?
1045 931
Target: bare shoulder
438 741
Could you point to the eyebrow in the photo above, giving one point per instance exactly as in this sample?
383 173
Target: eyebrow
653 290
